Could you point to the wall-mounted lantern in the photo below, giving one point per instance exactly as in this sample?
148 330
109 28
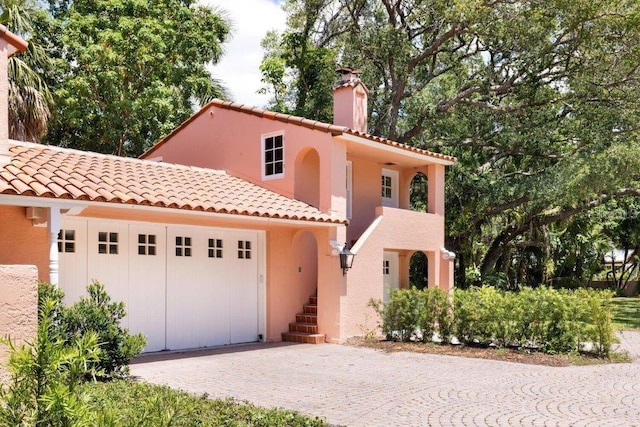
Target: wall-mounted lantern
346 259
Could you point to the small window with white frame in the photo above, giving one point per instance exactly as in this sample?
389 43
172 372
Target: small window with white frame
273 156
389 188
183 246
67 241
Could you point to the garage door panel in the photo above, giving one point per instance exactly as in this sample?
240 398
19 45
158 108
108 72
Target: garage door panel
244 288
183 287
72 252
189 294
108 259
147 292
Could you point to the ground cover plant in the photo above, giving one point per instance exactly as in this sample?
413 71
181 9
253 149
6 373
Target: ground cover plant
541 319
626 312
128 403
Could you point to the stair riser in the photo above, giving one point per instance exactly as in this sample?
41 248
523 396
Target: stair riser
310 309
313 300
309 329
303 339
306 318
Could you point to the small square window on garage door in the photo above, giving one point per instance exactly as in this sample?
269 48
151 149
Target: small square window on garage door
183 246
244 249
146 244
215 248
67 241
107 243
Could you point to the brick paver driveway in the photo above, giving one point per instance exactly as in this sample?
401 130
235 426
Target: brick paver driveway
364 387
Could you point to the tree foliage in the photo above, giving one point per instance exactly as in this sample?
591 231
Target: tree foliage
537 100
129 71
30 99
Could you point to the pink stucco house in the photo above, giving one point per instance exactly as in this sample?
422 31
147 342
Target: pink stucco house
343 172
228 230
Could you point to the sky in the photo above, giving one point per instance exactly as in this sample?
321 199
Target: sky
239 67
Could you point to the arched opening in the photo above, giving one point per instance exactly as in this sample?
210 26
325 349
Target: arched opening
419 193
307 177
305 254
419 270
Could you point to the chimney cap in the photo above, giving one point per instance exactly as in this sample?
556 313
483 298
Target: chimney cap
348 70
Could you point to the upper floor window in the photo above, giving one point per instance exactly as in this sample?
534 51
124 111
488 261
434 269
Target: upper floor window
273 156
389 188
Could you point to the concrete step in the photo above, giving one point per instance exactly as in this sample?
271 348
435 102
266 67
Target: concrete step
303 338
306 318
309 328
310 309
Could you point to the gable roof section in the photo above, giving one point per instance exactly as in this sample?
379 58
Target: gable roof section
46 171
335 130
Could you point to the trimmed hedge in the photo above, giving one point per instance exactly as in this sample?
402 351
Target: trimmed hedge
550 320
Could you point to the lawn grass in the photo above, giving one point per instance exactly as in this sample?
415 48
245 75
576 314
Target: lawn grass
132 403
626 312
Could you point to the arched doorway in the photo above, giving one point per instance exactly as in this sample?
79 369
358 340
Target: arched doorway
419 270
305 254
307 177
419 193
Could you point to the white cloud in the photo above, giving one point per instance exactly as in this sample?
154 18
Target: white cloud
239 67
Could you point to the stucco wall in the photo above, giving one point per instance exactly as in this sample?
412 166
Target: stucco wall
21 242
222 139
18 307
394 229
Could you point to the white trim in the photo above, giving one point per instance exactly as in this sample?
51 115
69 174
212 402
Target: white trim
395 150
266 177
391 202
262 285
53 226
11 200
349 185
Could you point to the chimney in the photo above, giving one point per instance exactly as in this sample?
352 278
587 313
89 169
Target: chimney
350 100
9 44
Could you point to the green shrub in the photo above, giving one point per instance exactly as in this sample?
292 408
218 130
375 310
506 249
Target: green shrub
45 377
96 314
554 321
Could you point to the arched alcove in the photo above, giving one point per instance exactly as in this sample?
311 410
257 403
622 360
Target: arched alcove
307 177
419 193
419 270
305 254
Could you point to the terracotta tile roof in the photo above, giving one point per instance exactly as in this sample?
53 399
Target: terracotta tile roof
288 118
47 171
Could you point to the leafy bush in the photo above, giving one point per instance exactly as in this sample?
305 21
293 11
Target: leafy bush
414 313
45 377
96 314
554 321
127 403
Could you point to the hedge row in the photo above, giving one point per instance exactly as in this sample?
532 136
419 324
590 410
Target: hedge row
551 320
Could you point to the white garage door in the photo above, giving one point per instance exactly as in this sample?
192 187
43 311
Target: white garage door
184 287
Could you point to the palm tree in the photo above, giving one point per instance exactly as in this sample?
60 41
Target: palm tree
30 100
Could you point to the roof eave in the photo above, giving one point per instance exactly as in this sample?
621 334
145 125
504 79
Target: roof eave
428 158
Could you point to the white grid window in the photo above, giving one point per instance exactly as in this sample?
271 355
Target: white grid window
67 241
215 248
385 267
107 243
244 249
273 156
183 246
387 191
146 244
